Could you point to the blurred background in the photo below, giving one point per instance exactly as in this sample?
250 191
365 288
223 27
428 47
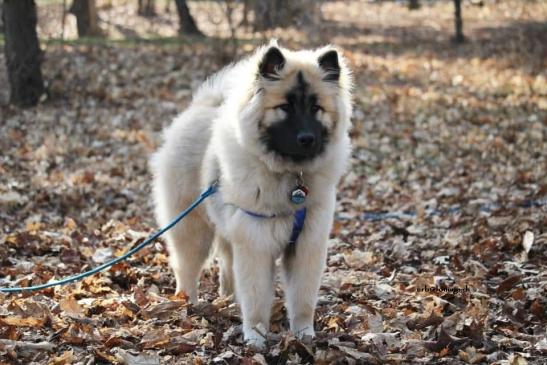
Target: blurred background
438 84
511 33
447 184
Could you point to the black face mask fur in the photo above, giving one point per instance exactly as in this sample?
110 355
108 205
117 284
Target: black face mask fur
300 136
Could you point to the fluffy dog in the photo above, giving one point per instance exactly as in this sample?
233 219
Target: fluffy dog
272 131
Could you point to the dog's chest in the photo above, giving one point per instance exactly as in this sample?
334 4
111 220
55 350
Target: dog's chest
269 196
256 211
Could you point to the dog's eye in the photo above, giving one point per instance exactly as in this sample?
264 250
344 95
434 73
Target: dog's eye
315 108
285 107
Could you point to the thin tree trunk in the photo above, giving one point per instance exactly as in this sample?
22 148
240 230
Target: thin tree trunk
63 22
146 8
187 24
270 14
283 13
1 16
245 20
86 17
413 4
150 9
23 54
458 22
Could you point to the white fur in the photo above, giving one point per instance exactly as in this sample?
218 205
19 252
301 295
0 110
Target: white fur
217 138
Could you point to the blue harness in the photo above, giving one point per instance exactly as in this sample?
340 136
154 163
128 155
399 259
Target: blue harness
297 225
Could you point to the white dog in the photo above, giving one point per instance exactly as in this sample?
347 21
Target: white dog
272 131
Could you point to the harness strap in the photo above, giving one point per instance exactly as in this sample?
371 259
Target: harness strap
297 225
258 215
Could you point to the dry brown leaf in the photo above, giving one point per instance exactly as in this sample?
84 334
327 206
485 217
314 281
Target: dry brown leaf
71 306
508 283
66 358
19 321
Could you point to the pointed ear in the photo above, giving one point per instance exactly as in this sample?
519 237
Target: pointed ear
272 62
329 63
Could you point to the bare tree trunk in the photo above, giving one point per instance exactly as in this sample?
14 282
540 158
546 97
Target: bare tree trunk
245 20
1 16
23 54
147 8
63 22
187 24
168 6
86 17
229 11
458 22
282 13
271 14
413 4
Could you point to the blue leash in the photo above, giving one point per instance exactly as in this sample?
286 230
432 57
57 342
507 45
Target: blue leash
210 191
485 208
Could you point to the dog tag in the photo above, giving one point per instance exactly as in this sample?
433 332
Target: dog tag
298 195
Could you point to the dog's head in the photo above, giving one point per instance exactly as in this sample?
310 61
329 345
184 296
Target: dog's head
301 104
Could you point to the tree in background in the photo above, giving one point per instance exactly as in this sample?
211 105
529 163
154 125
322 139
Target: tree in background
87 20
167 6
245 20
187 24
147 8
413 4
282 13
458 22
23 54
1 16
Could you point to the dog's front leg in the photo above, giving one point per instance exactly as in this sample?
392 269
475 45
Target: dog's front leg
302 268
254 284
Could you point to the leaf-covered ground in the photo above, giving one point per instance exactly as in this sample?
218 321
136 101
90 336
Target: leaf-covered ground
450 142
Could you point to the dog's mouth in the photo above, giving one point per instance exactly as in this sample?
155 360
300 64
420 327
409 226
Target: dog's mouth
293 149
297 157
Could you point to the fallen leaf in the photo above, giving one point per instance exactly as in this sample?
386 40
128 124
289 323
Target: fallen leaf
66 358
71 306
508 283
128 358
23 321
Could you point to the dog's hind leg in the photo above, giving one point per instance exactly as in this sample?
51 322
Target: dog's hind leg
176 170
225 258
189 244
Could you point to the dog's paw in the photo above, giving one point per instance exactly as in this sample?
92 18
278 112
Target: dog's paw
257 343
255 337
306 335
255 340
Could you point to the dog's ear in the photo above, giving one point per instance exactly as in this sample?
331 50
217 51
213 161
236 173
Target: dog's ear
272 62
328 61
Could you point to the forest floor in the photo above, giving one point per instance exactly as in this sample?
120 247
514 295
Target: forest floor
455 135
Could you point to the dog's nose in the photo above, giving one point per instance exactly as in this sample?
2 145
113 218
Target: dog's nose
305 139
